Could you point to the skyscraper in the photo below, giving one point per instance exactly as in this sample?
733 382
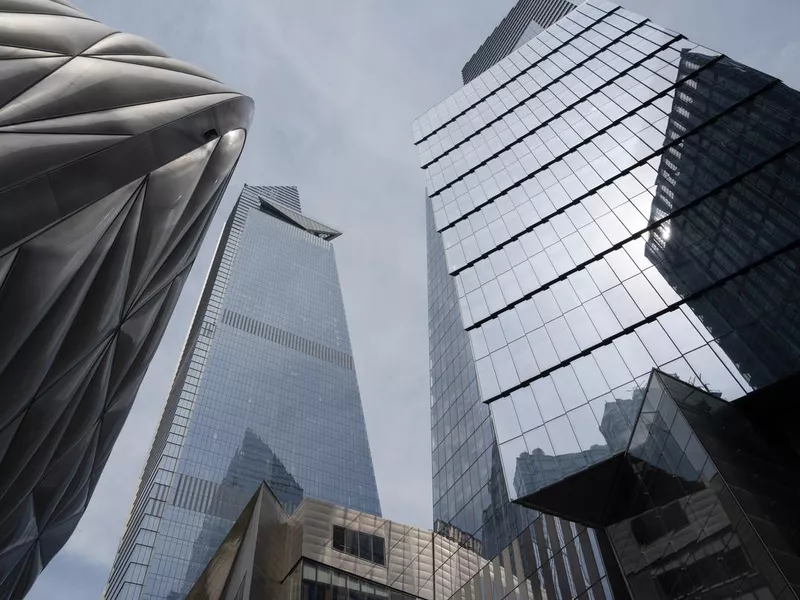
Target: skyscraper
526 20
113 160
614 223
265 390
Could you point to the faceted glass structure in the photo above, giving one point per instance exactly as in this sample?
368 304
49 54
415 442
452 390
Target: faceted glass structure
113 160
266 389
611 198
527 19
709 504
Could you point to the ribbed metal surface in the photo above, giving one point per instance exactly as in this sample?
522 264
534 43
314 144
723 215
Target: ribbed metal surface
113 160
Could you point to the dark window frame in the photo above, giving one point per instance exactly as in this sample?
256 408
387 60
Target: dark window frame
359 544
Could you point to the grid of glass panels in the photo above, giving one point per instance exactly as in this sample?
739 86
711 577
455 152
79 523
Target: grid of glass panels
268 393
524 552
526 19
721 502
619 199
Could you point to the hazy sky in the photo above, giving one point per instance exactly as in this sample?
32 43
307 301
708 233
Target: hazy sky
336 86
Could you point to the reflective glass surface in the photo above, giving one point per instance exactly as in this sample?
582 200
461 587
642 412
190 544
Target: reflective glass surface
626 201
525 20
525 553
611 198
266 390
714 502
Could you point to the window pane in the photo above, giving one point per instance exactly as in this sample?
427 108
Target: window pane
351 542
364 546
338 538
378 550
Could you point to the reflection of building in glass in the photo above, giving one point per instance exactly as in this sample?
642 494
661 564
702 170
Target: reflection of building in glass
527 19
610 199
618 418
253 459
113 160
465 540
736 223
721 521
470 496
265 390
537 469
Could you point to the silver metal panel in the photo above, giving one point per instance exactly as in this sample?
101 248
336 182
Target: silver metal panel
111 169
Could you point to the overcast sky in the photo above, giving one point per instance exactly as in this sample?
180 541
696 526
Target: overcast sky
337 85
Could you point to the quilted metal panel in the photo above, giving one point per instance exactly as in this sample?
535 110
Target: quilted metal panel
113 160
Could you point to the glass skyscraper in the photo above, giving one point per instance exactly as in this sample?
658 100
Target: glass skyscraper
614 228
265 390
526 20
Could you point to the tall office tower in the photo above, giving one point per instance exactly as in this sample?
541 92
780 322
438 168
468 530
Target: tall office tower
526 20
616 223
265 390
113 160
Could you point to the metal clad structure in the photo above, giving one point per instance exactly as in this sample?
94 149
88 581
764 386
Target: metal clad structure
113 160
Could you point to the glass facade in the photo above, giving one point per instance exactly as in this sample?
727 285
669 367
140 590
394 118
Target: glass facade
527 19
525 552
609 199
711 509
266 390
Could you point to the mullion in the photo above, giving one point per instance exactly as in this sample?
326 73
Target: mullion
650 226
521 103
553 118
775 255
541 59
674 142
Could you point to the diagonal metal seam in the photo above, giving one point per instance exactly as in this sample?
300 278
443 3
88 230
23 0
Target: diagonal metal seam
669 308
142 300
114 58
160 292
69 58
17 245
46 52
563 112
61 294
161 256
547 86
113 333
674 142
57 133
140 191
105 341
232 100
599 133
552 52
53 464
654 224
44 389
230 95
82 17
10 266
